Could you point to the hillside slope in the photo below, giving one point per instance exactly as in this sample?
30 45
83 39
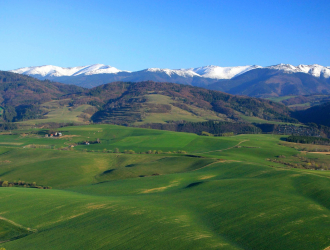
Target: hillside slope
319 114
16 89
21 95
232 193
129 103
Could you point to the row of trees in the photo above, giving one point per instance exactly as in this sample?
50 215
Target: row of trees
304 164
117 151
22 184
308 140
150 152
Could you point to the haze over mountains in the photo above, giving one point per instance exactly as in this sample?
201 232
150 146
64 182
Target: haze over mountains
251 80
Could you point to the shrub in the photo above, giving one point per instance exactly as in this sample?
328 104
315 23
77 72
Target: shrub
5 184
206 133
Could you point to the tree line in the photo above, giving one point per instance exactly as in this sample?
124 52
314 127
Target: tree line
22 184
308 140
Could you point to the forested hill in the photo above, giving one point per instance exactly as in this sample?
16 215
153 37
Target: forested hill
134 103
125 103
17 89
21 95
318 114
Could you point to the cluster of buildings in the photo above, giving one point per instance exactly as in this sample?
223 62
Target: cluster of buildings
56 134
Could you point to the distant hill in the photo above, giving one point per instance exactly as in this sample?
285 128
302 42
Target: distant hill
318 114
20 94
154 102
130 103
272 83
301 102
17 89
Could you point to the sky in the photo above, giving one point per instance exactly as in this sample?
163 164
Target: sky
134 35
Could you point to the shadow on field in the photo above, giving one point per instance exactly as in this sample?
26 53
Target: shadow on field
194 184
194 156
130 165
108 171
5 173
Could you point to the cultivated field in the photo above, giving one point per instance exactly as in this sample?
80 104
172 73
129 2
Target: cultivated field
148 189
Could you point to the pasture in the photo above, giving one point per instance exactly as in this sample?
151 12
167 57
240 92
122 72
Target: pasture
177 191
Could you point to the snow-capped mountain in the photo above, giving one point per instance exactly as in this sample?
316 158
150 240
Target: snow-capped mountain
314 69
97 74
213 72
171 72
55 71
216 72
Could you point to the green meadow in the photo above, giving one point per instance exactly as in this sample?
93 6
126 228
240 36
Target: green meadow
151 189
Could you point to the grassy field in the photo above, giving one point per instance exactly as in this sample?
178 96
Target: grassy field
252 119
281 98
61 112
176 114
223 193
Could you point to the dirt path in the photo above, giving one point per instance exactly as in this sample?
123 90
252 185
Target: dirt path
222 149
323 153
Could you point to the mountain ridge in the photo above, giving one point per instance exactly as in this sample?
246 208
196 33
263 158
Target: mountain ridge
251 80
210 71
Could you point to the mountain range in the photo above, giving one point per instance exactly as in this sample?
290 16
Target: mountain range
251 80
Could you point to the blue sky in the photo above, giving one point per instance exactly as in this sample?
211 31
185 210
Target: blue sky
134 35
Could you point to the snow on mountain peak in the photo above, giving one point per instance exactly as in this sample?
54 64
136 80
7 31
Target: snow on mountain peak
217 72
55 71
170 72
313 69
211 71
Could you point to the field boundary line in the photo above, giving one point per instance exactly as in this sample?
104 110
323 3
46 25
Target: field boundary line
219 161
18 225
224 148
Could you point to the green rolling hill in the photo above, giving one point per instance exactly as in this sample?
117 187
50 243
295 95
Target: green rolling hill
175 191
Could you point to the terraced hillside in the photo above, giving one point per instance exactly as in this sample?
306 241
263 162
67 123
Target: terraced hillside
152 102
147 189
